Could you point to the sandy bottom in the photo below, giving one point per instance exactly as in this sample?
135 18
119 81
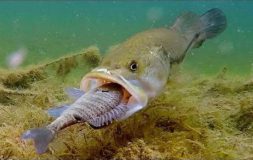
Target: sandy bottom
196 117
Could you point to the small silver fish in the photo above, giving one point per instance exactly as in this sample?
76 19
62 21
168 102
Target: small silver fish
98 107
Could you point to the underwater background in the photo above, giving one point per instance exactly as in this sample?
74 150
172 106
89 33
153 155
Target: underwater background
50 29
204 112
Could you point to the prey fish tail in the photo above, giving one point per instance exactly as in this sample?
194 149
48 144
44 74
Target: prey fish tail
98 107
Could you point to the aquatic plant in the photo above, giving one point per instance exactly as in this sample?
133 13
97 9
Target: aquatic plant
196 117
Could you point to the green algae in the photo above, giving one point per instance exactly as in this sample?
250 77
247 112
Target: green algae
196 116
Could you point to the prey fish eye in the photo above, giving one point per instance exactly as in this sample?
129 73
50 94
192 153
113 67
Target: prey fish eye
133 65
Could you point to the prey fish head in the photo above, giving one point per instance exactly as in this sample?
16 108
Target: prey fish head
142 70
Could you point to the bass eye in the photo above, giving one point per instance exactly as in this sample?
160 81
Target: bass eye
133 66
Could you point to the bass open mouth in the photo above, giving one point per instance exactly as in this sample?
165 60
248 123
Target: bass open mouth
136 98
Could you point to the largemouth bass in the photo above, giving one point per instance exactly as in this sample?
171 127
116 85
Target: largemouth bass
139 69
142 64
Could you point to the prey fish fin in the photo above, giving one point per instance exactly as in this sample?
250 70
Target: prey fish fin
57 111
41 136
74 93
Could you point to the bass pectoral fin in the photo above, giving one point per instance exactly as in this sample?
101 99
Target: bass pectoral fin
132 107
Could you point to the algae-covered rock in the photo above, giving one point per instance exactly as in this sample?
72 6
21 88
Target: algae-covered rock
138 150
22 79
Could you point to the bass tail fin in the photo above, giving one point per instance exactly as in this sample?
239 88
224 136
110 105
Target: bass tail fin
212 23
199 28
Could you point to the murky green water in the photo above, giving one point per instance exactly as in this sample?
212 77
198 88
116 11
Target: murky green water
52 29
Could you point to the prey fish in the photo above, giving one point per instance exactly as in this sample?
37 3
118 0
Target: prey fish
98 107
